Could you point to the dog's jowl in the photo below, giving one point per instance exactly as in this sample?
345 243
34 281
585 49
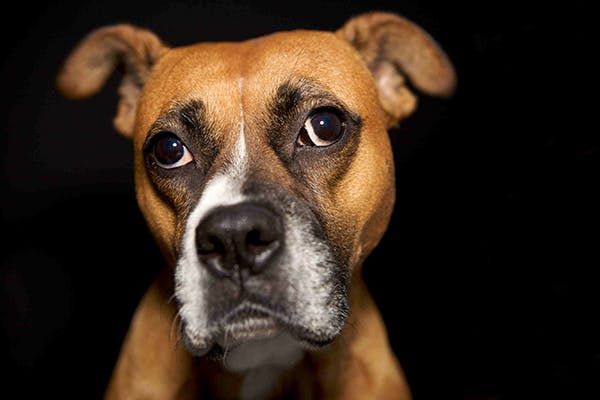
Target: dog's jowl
264 170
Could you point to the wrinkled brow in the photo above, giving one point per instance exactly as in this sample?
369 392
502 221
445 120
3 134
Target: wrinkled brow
291 94
189 115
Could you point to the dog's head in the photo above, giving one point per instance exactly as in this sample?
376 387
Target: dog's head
264 168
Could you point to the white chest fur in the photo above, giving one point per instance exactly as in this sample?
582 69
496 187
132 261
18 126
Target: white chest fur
262 362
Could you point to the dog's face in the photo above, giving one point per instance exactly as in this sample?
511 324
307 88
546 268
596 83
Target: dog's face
261 165
263 168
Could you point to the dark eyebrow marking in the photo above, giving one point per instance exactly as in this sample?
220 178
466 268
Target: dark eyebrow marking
287 97
193 115
290 95
190 115
293 100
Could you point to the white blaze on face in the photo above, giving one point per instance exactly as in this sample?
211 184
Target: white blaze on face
307 264
224 189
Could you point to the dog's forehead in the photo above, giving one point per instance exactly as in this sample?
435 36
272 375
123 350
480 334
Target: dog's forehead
223 75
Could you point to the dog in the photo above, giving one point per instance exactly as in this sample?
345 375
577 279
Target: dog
264 171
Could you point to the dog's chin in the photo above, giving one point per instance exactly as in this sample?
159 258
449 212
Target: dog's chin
246 323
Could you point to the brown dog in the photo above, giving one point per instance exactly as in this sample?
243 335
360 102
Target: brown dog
264 170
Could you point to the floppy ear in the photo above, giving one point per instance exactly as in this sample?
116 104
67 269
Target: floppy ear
395 50
91 63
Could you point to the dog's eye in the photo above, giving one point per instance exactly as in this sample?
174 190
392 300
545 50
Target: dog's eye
321 128
169 151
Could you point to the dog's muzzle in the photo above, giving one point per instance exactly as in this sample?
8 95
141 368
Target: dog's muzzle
256 268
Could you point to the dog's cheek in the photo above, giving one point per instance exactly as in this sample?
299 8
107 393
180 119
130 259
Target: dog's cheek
161 218
371 208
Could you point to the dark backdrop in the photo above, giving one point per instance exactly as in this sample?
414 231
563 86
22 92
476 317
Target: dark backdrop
484 277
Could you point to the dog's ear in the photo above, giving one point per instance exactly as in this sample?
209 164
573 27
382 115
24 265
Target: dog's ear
91 63
395 50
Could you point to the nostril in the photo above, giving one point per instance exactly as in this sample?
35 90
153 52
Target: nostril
258 241
211 246
214 253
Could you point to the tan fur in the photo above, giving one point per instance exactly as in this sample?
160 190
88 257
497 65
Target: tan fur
365 64
152 365
89 66
395 49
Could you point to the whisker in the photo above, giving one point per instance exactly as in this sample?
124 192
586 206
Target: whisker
225 344
171 298
175 318
179 325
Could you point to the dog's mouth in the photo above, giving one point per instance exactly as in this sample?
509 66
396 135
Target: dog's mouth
249 322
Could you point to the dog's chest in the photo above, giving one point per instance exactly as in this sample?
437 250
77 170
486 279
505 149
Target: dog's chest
262 363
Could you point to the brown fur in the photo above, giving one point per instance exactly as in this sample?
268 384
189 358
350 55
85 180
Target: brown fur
395 49
374 55
89 66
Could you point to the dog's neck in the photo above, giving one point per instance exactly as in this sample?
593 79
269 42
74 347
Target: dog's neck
262 363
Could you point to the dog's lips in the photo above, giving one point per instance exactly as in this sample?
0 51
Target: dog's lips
243 323
250 321
245 326
197 346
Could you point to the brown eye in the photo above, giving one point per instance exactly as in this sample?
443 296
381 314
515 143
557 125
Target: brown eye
321 129
169 151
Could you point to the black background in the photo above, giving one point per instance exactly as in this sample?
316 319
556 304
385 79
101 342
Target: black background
485 277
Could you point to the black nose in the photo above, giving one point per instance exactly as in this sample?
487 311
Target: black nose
242 238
